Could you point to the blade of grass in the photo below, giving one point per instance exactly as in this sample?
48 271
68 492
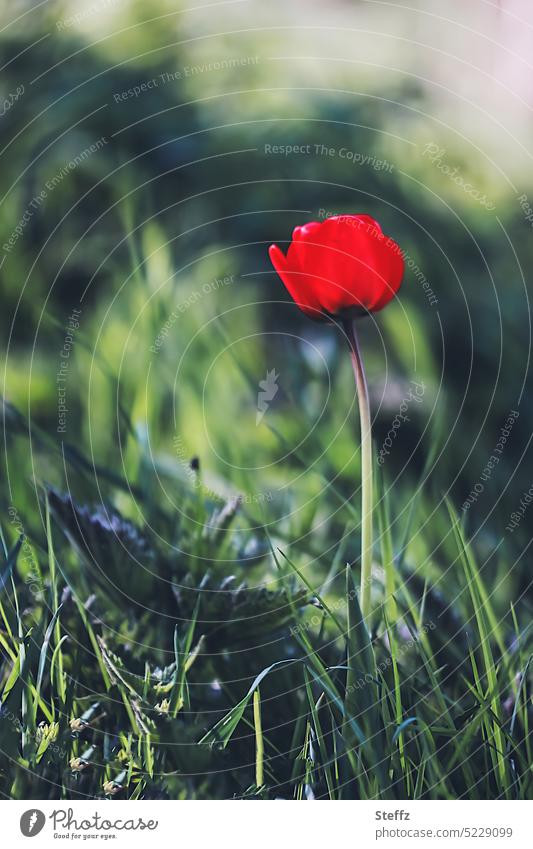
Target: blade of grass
60 676
259 745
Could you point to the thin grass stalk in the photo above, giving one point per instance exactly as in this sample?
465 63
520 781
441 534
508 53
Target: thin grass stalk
259 745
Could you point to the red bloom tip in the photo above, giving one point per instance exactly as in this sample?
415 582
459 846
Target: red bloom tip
339 266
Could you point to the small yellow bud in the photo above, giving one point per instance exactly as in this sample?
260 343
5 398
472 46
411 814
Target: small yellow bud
110 788
163 707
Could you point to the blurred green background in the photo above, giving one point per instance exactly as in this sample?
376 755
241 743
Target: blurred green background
139 162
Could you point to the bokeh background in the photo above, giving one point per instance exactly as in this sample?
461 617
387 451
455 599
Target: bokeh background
418 117
150 153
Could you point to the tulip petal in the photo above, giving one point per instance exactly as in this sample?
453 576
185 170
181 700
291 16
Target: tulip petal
296 282
371 262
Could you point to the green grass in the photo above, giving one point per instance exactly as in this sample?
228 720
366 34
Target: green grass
138 682
159 638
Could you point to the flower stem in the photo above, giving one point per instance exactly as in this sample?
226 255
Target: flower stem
367 499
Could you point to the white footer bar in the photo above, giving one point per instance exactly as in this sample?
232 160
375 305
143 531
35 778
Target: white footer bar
258 824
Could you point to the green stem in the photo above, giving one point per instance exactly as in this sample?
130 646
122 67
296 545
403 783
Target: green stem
367 500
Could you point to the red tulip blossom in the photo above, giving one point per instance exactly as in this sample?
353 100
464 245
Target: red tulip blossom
343 266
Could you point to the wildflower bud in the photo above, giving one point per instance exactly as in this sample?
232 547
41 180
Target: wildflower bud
110 788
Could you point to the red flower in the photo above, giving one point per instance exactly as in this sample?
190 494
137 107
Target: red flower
342 266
